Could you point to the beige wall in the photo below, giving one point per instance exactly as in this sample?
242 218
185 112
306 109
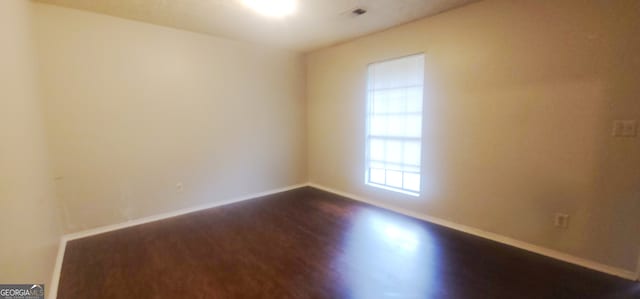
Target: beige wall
519 102
132 109
29 227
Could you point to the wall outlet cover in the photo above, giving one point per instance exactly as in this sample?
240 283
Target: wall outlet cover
625 128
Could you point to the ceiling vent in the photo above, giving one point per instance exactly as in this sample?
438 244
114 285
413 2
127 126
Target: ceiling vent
359 11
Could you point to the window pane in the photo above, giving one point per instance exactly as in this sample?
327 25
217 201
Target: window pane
380 101
375 164
376 150
394 151
412 153
394 178
397 101
411 181
397 125
376 176
389 75
414 126
415 70
414 99
379 125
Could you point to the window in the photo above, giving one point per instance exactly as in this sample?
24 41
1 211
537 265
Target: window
394 124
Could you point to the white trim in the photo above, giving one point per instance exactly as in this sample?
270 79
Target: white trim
495 237
385 187
112 227
53 288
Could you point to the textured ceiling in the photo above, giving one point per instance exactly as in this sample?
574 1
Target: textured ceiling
316 23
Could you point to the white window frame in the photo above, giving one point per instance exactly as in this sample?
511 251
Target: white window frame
369 136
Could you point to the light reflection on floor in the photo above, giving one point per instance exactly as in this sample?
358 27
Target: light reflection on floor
386 256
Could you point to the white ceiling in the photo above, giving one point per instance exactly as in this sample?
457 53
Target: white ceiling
316 23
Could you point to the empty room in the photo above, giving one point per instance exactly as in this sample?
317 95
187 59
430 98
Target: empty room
339 149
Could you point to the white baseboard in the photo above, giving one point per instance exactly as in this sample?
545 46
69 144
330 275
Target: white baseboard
53 287
117 226
495 237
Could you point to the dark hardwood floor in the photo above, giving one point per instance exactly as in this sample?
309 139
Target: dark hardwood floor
311 244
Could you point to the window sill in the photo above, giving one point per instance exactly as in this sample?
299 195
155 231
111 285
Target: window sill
411 193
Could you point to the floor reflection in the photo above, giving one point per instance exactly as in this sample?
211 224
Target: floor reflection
386 256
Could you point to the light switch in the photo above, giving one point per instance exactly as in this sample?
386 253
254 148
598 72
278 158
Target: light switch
625 128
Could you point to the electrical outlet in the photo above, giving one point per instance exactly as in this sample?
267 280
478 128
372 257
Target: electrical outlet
179 187
625 128
561 221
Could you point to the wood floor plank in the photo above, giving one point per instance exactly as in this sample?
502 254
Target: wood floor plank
307 243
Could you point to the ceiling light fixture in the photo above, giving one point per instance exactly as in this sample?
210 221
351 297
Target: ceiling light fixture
272 8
